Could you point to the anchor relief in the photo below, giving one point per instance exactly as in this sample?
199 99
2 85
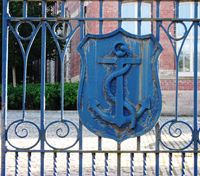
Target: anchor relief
123 61
119 92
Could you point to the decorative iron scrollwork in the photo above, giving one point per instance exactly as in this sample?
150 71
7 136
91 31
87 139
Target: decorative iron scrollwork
176 129
23 130
62 130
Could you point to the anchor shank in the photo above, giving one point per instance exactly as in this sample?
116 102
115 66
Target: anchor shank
119 107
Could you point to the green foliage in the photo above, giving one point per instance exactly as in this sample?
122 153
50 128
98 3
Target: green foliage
52 96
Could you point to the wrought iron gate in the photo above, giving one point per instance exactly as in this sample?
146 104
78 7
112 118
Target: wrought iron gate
25 141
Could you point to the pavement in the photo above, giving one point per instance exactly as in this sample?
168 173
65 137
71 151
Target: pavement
62 163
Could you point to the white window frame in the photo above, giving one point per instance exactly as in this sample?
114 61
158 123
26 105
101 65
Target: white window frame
134 5
134 9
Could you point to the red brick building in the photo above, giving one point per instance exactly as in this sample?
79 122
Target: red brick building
167 63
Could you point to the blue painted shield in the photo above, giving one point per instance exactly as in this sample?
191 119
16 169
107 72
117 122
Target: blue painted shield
119 93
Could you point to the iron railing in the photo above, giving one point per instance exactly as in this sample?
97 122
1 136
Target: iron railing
27 129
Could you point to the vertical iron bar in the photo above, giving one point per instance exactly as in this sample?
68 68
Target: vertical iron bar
99 143
62 64
152 15
29 164
157 23
43 78
93 164
118 159
196 90
55 172
132 164
16 163
170 165
177 64
24 86
144 164
139 33
80 123
100 16
139 16
106 164
177 8
100 32
80 148
63 8
4 100
68 165
25 7
119 13
157 128
183 164
138 143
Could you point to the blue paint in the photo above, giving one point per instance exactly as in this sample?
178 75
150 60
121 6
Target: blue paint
119 93
4 100
117 70
196 135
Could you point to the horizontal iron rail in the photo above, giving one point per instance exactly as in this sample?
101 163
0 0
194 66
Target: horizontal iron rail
86 0
102 19
104 151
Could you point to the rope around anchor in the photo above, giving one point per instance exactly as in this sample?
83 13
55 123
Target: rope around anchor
108 83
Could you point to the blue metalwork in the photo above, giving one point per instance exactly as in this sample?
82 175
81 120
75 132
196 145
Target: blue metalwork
170 164
16 163
23 133
183 164
55 173
29 164
157 147
144 164
61 132
82 33
176 132
195 123
43 77
4 100
124 119
106 164
68 164
93 164
132 164
116 61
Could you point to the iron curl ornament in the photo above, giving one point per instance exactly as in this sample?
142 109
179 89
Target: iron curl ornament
32 33
61 132
176 129
22 131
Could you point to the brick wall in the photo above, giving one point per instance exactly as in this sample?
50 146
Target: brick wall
167 58
184 84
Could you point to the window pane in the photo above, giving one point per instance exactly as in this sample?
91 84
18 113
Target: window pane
186 65
129 10
186 10
181 63
146 10
146 13
185 56
198 9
